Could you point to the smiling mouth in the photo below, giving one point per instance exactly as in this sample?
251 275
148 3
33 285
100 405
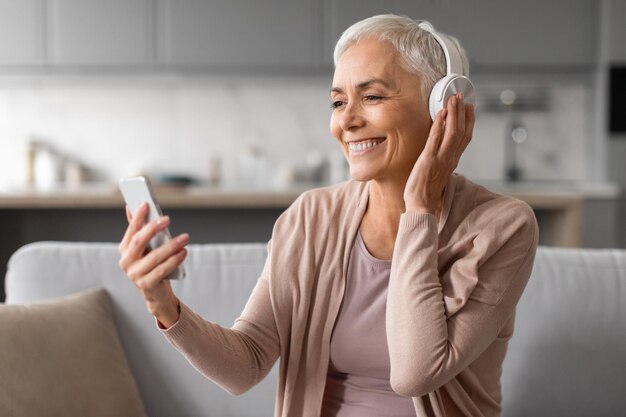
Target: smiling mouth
364 145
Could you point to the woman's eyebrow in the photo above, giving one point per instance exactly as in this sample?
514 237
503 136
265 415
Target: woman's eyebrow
363 85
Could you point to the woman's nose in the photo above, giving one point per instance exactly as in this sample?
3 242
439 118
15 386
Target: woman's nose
351 117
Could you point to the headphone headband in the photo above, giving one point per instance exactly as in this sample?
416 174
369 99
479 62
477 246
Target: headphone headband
454 63
455 81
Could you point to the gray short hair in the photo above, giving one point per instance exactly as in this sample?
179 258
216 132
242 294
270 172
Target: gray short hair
419 50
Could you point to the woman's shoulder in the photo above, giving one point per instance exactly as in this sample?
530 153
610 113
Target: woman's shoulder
477 206
470 196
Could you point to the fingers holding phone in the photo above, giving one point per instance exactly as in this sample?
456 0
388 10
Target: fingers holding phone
148 269
134 226
149 255
143 208
134 247
151 270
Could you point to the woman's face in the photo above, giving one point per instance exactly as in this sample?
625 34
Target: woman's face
379 115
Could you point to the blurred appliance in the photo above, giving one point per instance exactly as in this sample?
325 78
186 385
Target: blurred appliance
617 106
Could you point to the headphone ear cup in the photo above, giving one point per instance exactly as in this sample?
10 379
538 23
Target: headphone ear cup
437 97
448 86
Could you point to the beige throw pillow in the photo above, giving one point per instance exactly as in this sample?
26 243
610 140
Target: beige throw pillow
63 358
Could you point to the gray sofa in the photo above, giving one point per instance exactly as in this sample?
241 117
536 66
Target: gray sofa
567 356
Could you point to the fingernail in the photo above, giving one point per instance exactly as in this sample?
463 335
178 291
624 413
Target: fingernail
143 206
163 221
183 239
461 96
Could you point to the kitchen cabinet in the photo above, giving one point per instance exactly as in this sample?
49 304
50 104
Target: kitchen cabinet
100 33
252 34
495 33
618 31
21 32
209 36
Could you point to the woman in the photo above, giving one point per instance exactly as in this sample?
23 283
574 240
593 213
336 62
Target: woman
389 295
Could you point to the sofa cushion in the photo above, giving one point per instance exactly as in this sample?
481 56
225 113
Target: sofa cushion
63 358
568 352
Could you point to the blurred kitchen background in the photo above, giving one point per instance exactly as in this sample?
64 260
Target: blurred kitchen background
225 105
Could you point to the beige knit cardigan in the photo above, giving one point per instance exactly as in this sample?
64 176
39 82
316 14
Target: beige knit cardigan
450 306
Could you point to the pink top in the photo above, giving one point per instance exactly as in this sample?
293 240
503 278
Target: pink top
453 286
357 384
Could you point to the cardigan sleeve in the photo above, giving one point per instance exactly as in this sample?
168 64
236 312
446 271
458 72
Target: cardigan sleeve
432 337
238 358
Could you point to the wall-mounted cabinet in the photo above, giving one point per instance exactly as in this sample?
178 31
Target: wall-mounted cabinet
618 32
21 33
238 34
495 33
281 35
100 33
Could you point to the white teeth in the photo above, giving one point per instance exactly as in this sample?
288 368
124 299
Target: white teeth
363 145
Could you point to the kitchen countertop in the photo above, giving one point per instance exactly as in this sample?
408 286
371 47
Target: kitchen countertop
540 194
588 190
562 206
106 195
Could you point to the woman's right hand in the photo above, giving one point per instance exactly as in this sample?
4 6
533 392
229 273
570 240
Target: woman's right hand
449 136
148 270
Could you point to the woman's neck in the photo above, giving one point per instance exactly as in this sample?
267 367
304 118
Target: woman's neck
386 201
379 226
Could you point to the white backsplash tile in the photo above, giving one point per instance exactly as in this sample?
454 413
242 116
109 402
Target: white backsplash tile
120 127
557 136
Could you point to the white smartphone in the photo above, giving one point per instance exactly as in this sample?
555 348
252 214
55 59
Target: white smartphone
137 190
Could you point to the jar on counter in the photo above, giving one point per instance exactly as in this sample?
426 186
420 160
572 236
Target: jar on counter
47 167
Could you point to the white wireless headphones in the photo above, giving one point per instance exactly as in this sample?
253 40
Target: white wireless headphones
454 81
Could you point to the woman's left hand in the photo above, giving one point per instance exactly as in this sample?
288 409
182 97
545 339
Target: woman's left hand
445 145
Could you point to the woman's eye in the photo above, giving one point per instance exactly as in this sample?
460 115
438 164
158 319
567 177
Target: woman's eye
336 104
372 97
